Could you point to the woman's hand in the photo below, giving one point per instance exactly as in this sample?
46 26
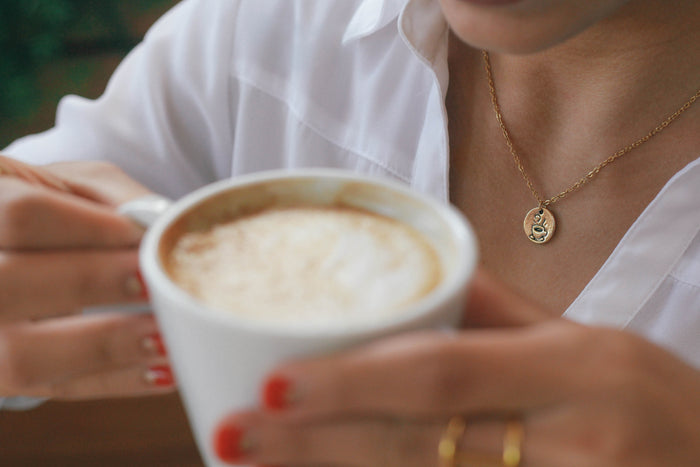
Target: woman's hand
586 397
63 248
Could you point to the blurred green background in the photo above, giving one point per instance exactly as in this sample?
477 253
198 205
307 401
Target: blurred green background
50 48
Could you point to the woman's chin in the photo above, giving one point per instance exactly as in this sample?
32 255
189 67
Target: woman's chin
510 42
491 2
523 26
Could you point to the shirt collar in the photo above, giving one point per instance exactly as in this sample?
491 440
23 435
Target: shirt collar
645 256
424 28
421 25
371 16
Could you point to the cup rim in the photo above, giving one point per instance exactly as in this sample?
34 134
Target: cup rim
457 281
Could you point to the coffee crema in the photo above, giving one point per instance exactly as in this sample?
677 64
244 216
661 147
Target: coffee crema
307 265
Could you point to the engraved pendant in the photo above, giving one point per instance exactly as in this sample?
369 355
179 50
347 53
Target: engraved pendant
539 225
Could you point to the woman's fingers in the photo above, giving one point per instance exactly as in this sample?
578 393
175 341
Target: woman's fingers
99 181
31 174
625 403
265 439
44 284
137 380
436 374
258 438
69 356
34 217
63 247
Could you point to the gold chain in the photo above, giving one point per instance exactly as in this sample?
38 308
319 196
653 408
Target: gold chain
593 172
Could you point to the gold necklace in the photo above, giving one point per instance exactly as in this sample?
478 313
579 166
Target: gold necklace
539 223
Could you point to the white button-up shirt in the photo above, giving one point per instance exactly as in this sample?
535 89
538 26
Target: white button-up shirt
226 87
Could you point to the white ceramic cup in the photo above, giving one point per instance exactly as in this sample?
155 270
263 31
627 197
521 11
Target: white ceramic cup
220 359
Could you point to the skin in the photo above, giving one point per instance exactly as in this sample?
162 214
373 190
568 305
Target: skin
587 396
60 235
565 119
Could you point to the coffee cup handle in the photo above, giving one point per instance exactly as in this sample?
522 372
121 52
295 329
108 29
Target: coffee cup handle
145 210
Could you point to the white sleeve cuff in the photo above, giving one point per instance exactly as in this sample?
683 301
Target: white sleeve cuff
20 403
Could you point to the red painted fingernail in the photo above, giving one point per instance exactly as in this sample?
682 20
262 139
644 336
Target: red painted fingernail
229 443
154 344
160 375
277 393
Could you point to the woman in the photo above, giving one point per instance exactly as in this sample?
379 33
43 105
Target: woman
402 89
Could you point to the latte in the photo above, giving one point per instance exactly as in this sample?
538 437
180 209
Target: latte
306 265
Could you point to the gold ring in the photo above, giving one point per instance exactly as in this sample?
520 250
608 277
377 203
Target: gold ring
447 449
450 456
512 442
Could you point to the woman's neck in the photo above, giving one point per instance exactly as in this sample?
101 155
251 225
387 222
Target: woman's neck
604 88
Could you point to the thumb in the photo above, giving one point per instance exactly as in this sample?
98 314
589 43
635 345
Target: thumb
98 181
493 304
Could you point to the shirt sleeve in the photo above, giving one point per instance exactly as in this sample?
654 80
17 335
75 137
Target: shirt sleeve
164 117
20 403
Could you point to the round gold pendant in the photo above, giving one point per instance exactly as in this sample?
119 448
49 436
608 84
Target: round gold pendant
539 225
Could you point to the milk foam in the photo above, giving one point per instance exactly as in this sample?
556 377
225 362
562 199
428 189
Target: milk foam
307 265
